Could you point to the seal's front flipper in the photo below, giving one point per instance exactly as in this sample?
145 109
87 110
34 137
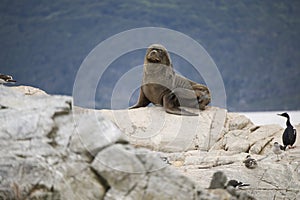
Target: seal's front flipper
142 101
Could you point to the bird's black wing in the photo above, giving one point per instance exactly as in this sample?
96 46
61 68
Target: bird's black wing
285 137
4 77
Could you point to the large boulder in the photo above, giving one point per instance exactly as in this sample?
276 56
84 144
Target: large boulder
36 161
155 129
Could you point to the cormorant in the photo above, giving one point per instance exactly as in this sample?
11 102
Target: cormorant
250 163
277 149
289 134
6 79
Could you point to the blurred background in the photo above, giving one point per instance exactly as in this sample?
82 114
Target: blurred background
255 44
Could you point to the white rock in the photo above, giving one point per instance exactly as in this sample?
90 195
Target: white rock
238 122
153 128
28 90
92 132
157 181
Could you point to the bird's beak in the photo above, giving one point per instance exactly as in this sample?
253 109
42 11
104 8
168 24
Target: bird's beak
279 114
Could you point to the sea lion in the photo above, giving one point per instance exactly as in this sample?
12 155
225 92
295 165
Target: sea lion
162 86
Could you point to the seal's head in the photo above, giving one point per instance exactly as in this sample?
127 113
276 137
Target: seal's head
156 53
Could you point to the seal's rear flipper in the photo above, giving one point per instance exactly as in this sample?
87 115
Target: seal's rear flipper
171 105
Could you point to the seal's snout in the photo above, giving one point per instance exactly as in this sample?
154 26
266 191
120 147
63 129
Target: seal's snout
153 56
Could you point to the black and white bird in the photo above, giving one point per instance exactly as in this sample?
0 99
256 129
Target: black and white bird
236 184
6 79
250 163
277 149
289 134
165 160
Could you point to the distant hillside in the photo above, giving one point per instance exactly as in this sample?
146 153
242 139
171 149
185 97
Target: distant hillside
255 44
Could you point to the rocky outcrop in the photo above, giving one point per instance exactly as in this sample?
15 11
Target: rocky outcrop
216 141
50 150
53 150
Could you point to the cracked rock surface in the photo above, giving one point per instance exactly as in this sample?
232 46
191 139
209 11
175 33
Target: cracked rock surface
216 140
51 150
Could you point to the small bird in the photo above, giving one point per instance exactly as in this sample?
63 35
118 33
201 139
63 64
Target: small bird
277 149
289 134
236 184
250 163
6 79
165 160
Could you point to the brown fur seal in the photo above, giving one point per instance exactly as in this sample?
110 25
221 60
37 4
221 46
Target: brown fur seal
162 86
